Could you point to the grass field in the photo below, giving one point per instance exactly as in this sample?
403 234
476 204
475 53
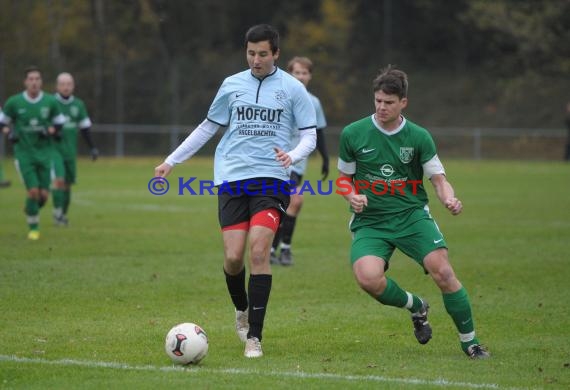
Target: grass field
88 306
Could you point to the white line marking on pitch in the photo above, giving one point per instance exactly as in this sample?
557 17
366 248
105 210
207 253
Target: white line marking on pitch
233 371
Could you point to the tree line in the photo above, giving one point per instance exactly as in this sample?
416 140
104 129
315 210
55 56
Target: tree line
502 63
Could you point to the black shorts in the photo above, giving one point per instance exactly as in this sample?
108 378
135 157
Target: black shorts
295 179
238 201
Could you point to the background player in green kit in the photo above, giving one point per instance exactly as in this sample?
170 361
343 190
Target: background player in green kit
36 121
3 182
76 118
382 160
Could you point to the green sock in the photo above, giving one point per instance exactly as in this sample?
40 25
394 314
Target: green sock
58 198
394 295
458 306
66 200
32 213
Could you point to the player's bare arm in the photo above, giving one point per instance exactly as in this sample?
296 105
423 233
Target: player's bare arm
446 194
357 201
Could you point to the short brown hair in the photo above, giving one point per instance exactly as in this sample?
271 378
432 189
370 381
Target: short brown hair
31 69
391 81
304 61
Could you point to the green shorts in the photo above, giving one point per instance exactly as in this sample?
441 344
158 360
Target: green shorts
34 169
58 167
64 168
70 170
416 239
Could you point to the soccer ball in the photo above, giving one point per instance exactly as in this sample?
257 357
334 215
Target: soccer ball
186 343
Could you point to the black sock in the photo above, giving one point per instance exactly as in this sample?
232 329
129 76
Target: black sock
259 289
288 227
236 288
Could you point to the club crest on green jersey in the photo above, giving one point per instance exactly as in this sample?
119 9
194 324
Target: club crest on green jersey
406 154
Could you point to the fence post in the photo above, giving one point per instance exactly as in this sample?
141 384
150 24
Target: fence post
477 144
120 141
173 138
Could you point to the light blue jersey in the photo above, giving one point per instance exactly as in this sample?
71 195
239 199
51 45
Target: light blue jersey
260 115
301 166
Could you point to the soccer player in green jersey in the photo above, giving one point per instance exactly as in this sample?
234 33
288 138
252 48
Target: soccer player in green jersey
36 120
382 161
3 182
76 119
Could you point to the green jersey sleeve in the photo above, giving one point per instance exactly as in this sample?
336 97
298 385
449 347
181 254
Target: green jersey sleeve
427 147
345 153
56 116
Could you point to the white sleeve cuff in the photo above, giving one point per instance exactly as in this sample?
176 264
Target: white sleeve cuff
4 118
85 123
433 167
306 145
193 142
346 167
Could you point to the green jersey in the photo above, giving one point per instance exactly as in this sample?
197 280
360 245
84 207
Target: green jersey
31 119
387 167
76 118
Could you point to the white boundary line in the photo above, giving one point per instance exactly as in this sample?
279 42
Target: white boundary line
238 371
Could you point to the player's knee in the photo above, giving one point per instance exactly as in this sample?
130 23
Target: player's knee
444 277
59 183
34 193
365 283
258 253
233 257
372 284
233 262
445 273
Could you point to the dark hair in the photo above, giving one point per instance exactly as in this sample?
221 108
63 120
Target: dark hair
31 69
263 32
304 61
391 81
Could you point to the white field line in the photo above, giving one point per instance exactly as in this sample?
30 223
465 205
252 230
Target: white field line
238 371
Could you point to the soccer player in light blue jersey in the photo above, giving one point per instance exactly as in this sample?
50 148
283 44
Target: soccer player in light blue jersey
302 69
261 108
